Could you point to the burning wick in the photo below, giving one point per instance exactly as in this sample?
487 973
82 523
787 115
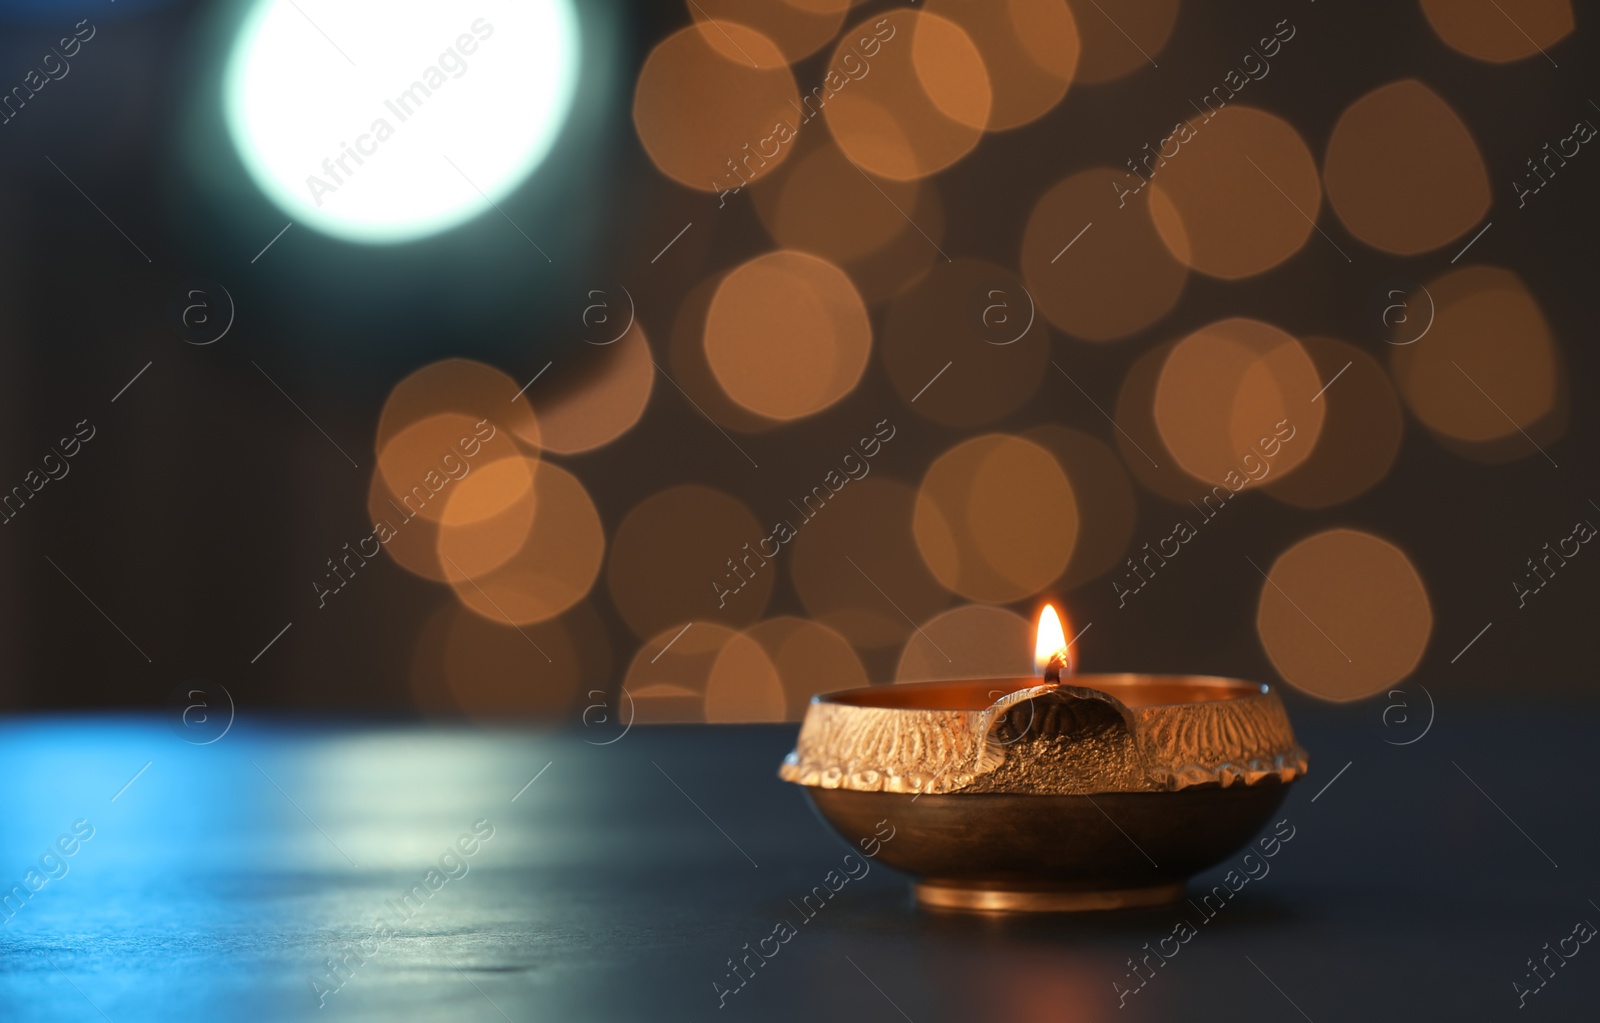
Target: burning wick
1051 658
1052 671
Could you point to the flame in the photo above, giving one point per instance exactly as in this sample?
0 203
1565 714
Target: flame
1051 639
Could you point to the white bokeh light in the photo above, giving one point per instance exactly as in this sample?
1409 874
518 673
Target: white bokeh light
390 120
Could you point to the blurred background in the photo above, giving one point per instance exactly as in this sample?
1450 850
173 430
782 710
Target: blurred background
674 362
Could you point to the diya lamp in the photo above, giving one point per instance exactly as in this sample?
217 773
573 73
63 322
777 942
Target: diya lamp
1057 793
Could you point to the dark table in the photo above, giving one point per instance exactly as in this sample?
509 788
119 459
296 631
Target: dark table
223 881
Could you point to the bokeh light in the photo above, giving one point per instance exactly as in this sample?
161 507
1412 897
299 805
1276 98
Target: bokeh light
920 103
888 271
689 553
497 487
1499 31
970 641
716 106
461 386
787 335
810 658
435 115
555 566
451 482
1403 172
487 517
796 29
691 371
414 543
883 233
1107 508
1029 48
744 684
1343 615
823 205
1361 430
1234 403
667 677
1488 370
1240 196
1099 271
1139 441
434 456
996 519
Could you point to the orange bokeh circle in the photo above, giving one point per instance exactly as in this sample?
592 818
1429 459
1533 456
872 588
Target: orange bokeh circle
1138 440
1500 31
1488 370
716 106
1402 171
666 680
1097 266
459 387
1236 404
1361 430
413 540
787 335
921 101
690 372
1240 196
882 233
1029 48
424 463
488 517
1107 508
824 205
1343 615
744 684
969 641
996 518
556 564
809 657
797 30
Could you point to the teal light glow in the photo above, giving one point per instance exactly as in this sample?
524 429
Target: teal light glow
391 120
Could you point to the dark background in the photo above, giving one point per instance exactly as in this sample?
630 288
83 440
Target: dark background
206 502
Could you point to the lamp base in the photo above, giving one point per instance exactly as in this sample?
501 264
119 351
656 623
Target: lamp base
980 899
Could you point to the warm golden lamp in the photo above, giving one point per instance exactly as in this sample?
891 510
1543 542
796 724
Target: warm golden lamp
1097 792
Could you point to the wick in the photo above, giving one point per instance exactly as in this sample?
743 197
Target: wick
1052 669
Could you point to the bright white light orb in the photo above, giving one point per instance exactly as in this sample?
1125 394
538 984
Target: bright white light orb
390 120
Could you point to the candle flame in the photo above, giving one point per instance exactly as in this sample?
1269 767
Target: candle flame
1051 639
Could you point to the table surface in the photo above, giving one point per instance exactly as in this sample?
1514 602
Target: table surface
620 881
